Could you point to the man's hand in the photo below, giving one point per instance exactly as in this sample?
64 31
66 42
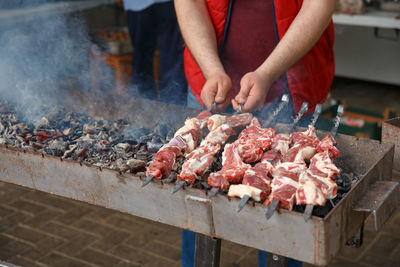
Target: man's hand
254 88
216 89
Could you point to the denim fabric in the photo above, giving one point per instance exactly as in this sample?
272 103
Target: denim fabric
188 245
157 26
285 116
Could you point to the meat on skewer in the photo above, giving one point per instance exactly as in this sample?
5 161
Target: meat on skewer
184 141
200 160
248 148
293 164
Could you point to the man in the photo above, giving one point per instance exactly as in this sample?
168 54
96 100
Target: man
153 23
250 52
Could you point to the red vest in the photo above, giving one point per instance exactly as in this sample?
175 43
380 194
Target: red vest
309 80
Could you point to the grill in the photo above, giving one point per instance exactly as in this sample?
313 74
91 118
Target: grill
285 234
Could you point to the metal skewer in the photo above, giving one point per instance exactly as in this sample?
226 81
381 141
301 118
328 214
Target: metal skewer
213 192
285 100
243 202
275 202
272 208
147 180
178 185
309 208
212 106
303 109
240 108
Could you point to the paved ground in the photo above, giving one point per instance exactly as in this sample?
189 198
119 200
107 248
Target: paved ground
38 229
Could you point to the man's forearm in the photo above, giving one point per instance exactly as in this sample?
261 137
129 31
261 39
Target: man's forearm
199 35
303 33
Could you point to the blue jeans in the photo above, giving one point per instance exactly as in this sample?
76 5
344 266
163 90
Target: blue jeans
188 237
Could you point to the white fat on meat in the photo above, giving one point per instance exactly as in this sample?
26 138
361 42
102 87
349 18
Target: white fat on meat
310 131
324 164
280 181
216 136
190 124
191 144
294 167
216 121
239 190
281 143
312 194
329 192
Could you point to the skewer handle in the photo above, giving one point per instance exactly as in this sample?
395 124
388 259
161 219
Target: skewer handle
285 100
339 114
303 109
212 106
317 112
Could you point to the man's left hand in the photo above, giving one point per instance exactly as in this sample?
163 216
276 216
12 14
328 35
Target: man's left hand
254 88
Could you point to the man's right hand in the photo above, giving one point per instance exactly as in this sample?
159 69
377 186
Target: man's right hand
216 89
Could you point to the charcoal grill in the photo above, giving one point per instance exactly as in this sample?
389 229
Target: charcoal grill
285 234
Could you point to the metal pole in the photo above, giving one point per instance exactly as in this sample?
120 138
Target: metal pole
274 260
207 251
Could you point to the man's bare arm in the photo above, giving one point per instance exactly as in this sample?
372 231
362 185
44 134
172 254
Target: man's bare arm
199 35
303 33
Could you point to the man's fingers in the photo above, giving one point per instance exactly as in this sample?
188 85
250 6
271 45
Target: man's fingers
223 89
253 102
245 88
208 93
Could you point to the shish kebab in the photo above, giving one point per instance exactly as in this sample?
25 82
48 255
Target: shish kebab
256 183
248 148
185 140
200 160
286 186
329 171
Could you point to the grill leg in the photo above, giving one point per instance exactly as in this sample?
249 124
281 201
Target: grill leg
207 251
274 260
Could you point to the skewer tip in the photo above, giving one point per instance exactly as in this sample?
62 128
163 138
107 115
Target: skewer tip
213 192
242 202
308 212
179 184
147 180
272 208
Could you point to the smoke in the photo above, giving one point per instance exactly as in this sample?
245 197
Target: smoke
40 59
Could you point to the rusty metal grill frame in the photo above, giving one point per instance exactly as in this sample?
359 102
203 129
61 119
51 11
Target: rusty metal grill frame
286 234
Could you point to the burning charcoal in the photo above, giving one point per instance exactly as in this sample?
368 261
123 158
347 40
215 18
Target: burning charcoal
155 144
161 129
1 127
68 132
58 147
3 141
70 151
36 145
90 129
142 155
122 148
133 133
136 165
42 123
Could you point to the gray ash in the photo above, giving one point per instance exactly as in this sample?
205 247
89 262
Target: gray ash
116 144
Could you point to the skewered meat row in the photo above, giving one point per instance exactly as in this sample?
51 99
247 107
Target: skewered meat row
248 148
256 181
185 140
200 160
293 164
317 183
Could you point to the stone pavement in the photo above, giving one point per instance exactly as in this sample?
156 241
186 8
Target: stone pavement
39 229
